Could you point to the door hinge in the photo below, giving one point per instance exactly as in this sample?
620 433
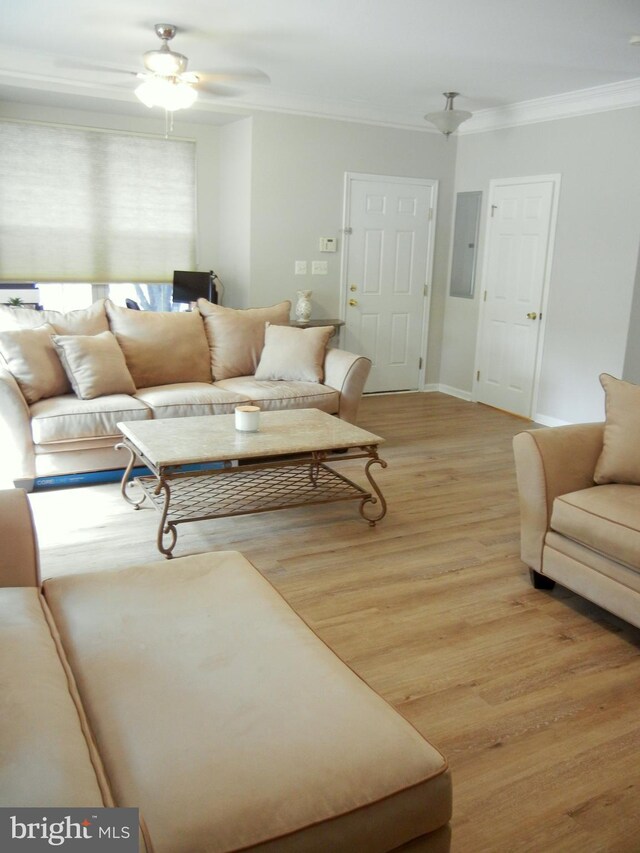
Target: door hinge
478 376
347 230
484 296
494 207
430 214
420 363
426 290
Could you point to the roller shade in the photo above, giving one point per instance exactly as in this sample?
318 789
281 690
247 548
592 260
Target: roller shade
94 206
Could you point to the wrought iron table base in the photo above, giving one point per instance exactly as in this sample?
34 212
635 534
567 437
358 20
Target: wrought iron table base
261 487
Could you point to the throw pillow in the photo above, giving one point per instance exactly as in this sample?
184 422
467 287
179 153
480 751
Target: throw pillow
32 359
236 335
161 347
619 461
294 354
94 364
84 321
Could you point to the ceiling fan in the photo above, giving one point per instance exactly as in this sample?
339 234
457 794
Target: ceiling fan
166 82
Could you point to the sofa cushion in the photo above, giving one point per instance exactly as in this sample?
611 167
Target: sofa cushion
70 419
273 395
83 321
604 518
94 365
45 759
236 336
189 398
619 461
161 347
558 548
294 354
210 698
33 360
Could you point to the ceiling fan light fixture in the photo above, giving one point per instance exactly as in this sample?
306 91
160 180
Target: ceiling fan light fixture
167 93
164 61
448 120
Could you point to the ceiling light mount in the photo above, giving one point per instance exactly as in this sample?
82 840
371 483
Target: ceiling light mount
164 61
449 119
165 31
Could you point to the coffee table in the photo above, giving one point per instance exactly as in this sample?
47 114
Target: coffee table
287 463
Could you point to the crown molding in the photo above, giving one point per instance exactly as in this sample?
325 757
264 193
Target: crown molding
613 96
599 99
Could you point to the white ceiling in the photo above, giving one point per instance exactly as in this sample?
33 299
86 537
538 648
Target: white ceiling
376 60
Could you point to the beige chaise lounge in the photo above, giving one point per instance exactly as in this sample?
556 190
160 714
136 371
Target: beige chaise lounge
193 692
68 379
579 489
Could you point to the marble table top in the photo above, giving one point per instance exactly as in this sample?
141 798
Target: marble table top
214 438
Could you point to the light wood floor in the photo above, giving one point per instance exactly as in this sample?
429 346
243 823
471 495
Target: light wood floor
534 697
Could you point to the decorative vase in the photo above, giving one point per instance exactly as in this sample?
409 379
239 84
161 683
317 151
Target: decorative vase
303 305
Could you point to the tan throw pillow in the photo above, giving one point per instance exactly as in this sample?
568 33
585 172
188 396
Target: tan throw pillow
294 354
619 461
161 347
12 318
84 321
236 335
94 364
32 359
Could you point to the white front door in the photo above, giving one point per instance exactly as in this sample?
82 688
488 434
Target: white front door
519 242
386 270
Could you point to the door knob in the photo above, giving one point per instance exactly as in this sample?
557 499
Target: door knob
353 302
532 315
353 288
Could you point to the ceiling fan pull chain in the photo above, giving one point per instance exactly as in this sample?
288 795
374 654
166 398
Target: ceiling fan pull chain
168 123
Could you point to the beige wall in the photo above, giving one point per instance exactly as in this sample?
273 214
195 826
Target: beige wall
298 173
233 261
631 370
595 259
270 185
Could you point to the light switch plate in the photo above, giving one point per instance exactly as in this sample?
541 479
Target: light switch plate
327 244
300 268
319 268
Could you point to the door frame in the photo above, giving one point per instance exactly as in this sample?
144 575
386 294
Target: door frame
432 183
493 183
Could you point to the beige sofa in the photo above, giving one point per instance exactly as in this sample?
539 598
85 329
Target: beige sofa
66 384
579 490
193 692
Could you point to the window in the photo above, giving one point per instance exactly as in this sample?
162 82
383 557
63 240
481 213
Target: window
148 297
80 205
62 297
68 297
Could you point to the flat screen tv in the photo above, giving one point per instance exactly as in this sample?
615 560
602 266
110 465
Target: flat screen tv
189 286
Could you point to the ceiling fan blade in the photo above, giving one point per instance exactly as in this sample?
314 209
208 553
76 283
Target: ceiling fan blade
239 75
77 65
217 90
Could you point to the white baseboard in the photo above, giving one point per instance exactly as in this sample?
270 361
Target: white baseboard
543 420
548 421
447 389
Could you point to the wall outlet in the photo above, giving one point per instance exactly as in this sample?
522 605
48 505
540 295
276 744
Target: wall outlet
319 268
300 268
